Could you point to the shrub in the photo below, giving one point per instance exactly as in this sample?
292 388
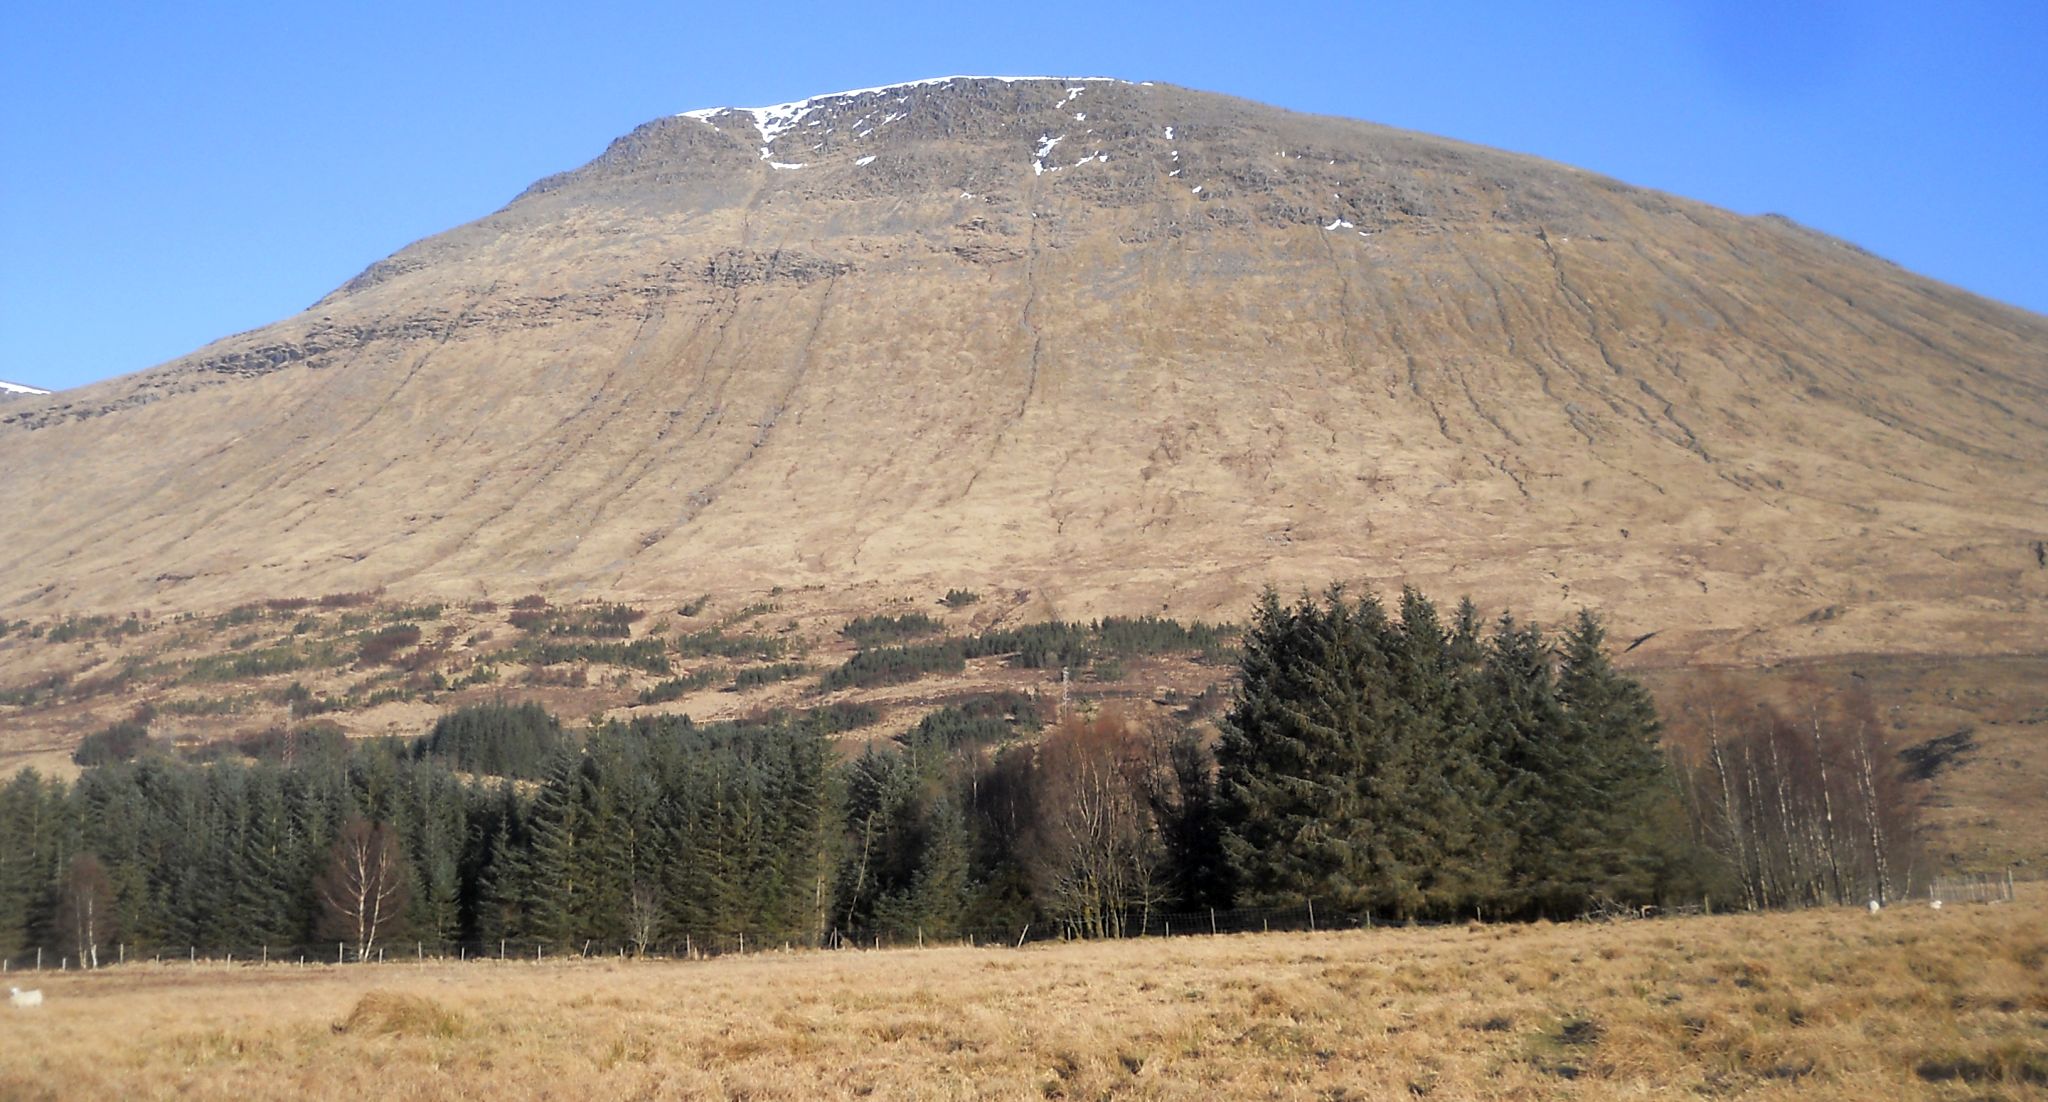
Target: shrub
301 745
646 655
282 658
870 630
976 721
120 742
755 676
383 645
238 615
347 600
895 665
675 688
959 598
713 642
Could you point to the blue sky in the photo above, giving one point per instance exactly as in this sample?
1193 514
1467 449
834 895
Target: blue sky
176 173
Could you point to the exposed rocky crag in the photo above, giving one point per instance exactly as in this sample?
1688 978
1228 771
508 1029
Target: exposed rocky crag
1120 347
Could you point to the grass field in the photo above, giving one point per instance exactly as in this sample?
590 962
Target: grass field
1910 1003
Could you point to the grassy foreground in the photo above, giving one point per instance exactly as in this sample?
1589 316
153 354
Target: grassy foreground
1911 1003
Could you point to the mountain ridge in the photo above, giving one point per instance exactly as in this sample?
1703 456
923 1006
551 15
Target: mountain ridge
1192 345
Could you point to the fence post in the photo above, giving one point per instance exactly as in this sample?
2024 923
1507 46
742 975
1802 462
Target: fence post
1021 933
1311 916
338 958
39 958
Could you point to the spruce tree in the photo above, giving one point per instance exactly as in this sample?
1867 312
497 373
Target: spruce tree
1614 721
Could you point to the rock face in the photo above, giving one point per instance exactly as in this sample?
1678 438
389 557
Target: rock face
1127 347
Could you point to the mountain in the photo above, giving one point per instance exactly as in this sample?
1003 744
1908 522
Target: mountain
1101 347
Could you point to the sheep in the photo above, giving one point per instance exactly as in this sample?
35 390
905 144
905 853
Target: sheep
1875 906
20 999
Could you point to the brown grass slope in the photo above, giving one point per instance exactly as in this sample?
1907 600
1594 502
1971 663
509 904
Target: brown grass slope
1270 347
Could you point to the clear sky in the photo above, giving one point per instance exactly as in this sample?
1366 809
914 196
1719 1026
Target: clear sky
174 173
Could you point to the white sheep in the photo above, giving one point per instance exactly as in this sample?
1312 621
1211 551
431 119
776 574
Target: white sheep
16 997
1875 906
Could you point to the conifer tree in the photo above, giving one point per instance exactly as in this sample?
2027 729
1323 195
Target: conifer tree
1613 719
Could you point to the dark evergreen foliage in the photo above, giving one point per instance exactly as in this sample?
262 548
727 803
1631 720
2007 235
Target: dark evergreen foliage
1400 764
504 740
871 630
120 742
895 665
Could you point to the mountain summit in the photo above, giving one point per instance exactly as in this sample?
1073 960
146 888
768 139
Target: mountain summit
1100 346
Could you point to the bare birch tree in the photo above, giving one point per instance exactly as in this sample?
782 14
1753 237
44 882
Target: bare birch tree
365 888
1095 854
85 908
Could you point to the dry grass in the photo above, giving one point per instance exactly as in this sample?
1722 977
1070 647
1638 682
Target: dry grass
1826 1004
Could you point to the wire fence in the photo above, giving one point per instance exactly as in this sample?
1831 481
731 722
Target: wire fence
1977 888
1312 916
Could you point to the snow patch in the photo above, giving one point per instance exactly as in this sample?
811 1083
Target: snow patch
866 161
1197 189
1045 144
1339 224
1169 133
778 119
784 167
17 388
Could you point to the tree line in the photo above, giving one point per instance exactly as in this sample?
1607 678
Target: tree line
1392 763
